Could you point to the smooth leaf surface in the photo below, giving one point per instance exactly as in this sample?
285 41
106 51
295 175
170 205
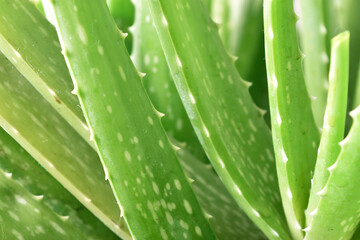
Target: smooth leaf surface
334 121
314 43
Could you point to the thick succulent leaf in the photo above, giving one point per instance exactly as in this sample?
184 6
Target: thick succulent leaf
23 216
221 14
336 14
241 31
338 211
38 5
123 12
313 40
227 219
39 129
246 42
148 57
353 26
334 121
356 235
295 134
151 188
356 100
29 174
342 16
226 121
29 41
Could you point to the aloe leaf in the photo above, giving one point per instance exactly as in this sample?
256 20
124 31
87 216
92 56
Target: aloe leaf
221 14
353 26
246 42
334 121
356 235
336 13
356 101
148 57
30 175
295 134
227 219
203 71
154 194
38 5
123 12
340 192
23 216
313 39
241 31
39 129
29 41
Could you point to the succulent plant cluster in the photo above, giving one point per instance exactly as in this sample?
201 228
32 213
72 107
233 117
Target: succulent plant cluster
132 120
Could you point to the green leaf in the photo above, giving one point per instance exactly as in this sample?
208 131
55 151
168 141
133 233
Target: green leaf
123 12
221 11
29 41
295 134
334 121
356 101
228 124
30 175
227 219
23 216
154 194
39 129
148 57
340 192
313 39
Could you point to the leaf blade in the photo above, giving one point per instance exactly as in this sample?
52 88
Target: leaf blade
39 129
124 159
295 134
190 38
334 120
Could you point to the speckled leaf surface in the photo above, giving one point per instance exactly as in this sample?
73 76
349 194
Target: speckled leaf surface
334 121
295 134
152 190
23 216
29 174
39 129
149 58
228 124
29 41
316 62
338 211
227 219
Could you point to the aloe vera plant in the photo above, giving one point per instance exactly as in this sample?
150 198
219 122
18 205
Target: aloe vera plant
157 135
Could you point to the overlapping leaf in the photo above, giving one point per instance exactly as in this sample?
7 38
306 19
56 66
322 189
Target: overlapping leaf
29 41
39 129
153 192
30 175
295 133
226 121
